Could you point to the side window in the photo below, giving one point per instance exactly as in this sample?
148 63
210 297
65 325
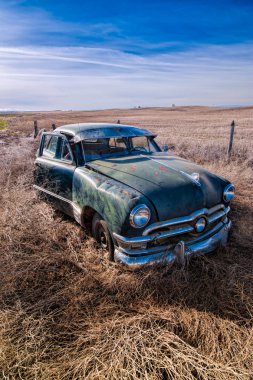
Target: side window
45 143
50 146
140 143
66 153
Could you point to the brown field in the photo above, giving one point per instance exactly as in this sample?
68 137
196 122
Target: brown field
66 313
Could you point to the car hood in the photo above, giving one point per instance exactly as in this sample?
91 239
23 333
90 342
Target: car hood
166 181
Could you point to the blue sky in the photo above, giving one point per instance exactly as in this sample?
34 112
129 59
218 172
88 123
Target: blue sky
106 54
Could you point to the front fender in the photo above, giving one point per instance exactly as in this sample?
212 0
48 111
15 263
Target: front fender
110 198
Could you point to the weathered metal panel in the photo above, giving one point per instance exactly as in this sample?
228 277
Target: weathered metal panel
111 199
163 181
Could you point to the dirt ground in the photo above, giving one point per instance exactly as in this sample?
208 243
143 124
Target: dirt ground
66 313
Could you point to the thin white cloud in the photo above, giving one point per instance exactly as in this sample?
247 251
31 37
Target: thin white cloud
74 78
34 25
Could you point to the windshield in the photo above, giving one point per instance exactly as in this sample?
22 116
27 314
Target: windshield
94 149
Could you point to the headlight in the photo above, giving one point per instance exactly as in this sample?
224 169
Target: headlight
140 216
229 193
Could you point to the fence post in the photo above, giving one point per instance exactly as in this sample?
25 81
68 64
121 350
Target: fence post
36 130
231 138
53 127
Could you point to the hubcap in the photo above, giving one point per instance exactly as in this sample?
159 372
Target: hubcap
102 237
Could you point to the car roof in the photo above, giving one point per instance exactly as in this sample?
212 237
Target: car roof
84 131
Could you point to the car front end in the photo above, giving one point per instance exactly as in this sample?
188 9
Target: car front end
197 233
189 212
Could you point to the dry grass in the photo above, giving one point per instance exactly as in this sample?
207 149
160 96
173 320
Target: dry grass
65 313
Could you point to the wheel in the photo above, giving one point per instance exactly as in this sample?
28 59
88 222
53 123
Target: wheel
102 235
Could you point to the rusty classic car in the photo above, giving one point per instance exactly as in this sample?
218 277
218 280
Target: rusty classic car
143 204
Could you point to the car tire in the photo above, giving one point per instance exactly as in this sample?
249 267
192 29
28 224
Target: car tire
102 235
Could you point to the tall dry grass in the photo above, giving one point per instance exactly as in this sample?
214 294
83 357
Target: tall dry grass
66 313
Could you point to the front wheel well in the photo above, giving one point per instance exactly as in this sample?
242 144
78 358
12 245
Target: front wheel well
87 216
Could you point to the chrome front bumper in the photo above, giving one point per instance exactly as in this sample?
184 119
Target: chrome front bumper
207 242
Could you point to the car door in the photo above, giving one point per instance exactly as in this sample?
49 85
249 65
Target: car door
54 170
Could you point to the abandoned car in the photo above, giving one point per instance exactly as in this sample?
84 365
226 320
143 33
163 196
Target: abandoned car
144 205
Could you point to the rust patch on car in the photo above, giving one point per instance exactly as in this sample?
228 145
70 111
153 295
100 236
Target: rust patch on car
163 169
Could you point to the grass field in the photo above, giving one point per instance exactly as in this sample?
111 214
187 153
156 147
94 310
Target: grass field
3 124
66 313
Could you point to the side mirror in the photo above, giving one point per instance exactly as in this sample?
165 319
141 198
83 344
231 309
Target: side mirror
166 148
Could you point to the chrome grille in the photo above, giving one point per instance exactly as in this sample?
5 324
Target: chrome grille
167 231
185 224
